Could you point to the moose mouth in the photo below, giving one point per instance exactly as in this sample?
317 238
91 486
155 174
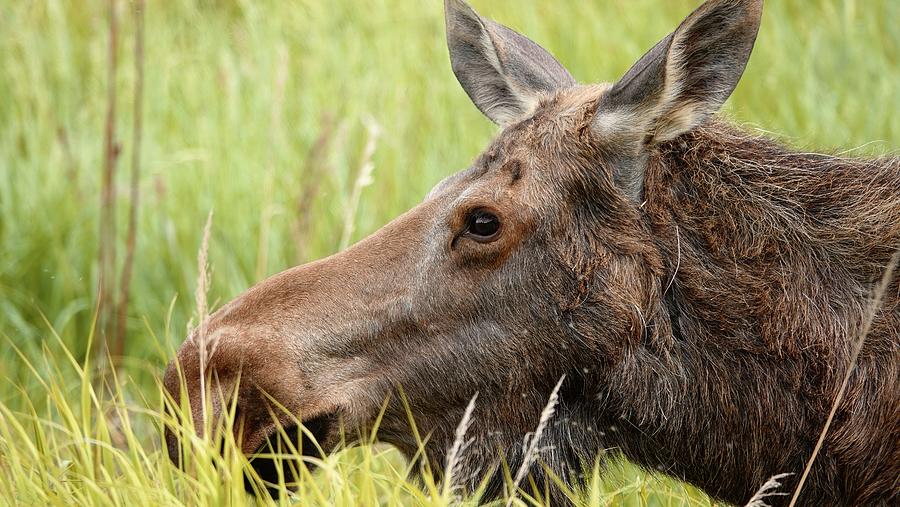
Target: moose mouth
280 460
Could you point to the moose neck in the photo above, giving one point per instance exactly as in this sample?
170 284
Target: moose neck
765 287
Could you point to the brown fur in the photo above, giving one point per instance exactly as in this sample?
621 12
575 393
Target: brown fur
703 330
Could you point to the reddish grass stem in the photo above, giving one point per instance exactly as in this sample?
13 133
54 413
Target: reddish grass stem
118 348
107 247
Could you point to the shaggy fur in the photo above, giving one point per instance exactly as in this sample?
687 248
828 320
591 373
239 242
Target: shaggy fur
699 288
708 330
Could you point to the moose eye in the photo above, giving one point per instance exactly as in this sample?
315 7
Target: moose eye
482 225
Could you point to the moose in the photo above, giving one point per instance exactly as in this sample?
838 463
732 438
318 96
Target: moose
698 288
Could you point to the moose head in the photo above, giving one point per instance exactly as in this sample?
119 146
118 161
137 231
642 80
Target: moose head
559 253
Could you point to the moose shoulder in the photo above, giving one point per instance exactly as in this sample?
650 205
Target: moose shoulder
699 288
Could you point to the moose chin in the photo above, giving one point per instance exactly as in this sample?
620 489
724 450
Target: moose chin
700 290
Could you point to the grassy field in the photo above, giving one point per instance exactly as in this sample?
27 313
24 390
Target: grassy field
239 96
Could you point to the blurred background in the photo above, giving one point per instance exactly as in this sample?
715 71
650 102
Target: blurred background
304 126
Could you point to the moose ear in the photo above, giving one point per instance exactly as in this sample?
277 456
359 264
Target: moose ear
688 75
684 79
503 72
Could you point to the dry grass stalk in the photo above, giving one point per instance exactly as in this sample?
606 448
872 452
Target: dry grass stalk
279 84
107 235
530 445
314 167
118 348
200 298
459 445
874 306
363 179
267 210
769 488
71 164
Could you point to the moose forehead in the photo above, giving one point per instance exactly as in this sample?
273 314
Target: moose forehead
539 144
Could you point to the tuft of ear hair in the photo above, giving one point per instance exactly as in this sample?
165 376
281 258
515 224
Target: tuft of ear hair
503 72
679 83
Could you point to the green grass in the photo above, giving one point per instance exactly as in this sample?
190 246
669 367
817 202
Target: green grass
236 94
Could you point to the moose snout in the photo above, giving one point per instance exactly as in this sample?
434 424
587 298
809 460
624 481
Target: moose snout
251 392
188 411
277 357
211 377
243 402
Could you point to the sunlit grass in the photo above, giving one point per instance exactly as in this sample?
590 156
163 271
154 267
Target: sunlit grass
237 96
87 442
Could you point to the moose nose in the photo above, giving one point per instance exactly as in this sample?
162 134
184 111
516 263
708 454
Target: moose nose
235 370
173 414
182 384
185 379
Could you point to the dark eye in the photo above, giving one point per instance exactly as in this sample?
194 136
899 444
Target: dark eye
482 225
